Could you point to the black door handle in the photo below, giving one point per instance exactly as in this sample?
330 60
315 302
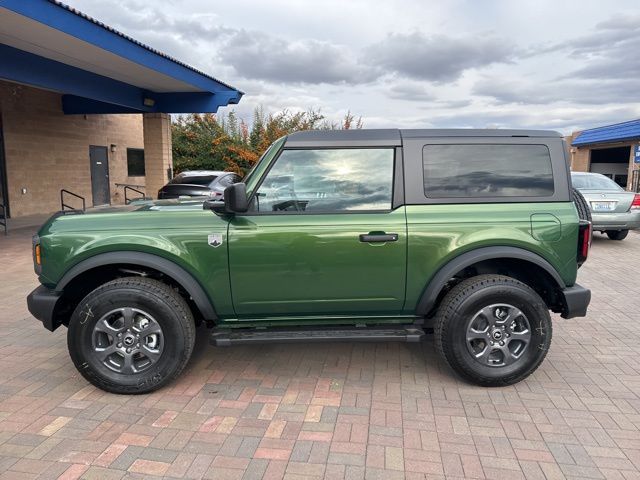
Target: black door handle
378 237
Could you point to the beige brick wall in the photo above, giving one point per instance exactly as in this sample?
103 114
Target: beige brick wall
579 156
580 159
632 166
157 150
46 150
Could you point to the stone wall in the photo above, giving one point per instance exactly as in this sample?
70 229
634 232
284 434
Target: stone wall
46 150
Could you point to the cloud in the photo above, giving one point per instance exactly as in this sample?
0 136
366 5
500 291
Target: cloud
438 58
410 91
257 55
572 90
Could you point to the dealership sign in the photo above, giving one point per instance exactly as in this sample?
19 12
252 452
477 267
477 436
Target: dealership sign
636 154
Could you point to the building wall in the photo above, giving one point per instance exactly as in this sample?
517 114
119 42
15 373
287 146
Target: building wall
46 150
580 157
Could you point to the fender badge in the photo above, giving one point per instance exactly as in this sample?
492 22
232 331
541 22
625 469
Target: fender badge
214 239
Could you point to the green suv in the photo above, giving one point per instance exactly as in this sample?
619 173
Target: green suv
361 235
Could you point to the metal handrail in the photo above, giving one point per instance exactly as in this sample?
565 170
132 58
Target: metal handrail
64 205
3 219
128 200
635 181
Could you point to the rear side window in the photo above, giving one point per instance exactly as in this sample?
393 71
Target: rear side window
228 180
483 171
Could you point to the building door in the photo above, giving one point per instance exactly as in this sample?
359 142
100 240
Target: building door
4 198
99 161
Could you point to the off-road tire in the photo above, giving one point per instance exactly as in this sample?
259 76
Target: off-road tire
584 212
617 234
168 309
461 304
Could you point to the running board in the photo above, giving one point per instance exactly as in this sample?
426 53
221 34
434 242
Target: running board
228 337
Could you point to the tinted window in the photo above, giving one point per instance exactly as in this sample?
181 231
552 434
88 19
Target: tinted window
329 180
194 179
135 162
478 171
594 182
228 180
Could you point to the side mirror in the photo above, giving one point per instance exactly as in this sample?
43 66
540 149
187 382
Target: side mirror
216 206
235 201
235 198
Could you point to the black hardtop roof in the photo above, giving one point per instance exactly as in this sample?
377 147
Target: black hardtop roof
393 136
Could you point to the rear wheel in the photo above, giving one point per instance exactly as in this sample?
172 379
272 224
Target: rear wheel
131 335
493 330
617 234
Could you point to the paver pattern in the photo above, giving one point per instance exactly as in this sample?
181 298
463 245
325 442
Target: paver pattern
379 411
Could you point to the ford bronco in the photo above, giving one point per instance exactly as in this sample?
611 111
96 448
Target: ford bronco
370 235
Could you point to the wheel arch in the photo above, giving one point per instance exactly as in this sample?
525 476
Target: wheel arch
147 262
490 258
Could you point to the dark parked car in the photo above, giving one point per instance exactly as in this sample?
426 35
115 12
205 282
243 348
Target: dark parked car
198 183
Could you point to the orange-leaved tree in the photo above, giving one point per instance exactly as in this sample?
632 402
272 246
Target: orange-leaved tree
224 142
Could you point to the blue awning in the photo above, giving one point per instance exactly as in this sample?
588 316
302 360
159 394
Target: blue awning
619 132
49 45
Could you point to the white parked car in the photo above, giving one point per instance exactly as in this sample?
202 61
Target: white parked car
614 211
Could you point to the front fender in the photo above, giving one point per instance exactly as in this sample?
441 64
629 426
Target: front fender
167 267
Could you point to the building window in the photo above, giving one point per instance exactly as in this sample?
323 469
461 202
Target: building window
135 162
477 171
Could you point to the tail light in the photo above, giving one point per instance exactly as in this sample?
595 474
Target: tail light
584 241
213 194
37 254
636 202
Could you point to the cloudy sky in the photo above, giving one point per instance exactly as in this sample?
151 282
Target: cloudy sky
555 64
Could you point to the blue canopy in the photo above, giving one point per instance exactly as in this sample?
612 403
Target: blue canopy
49 45
610 133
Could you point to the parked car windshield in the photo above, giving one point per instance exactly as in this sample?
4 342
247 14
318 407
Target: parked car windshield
193 179
594 182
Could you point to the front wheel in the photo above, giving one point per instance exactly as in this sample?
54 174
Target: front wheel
493 330
131 335
617 234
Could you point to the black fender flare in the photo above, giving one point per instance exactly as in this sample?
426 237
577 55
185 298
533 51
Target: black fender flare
167 267
439 280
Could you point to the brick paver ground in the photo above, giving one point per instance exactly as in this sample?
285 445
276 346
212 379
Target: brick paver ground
380 411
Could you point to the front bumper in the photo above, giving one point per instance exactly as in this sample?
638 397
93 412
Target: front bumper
575 301
616 221
42 303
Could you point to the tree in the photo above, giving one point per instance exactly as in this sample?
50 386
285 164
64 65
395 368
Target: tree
210 142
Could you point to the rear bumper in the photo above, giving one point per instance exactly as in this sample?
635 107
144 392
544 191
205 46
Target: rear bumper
616 221
575 301
42 303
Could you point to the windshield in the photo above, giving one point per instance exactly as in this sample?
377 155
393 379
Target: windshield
594 181
262 163
193 179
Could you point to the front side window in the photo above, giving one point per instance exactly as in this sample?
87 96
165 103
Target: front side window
481 171
328 180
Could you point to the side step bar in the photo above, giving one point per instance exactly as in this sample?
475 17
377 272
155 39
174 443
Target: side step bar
227 337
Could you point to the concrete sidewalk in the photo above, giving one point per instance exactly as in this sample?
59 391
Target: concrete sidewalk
379 411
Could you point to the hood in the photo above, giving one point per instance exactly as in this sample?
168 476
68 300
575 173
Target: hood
140 214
